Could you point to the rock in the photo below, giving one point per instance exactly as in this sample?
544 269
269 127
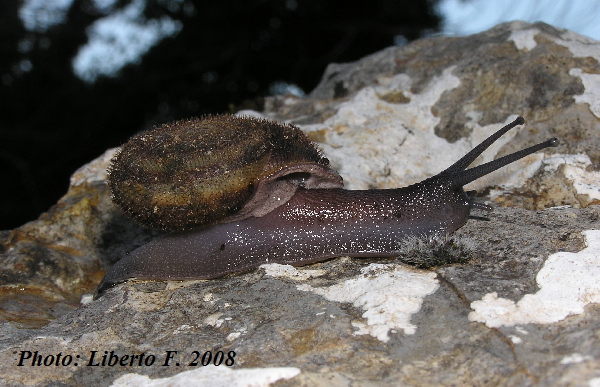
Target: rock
352 319
450 93
523 311
48 264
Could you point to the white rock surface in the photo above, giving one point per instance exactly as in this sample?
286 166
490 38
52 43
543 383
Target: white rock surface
568 283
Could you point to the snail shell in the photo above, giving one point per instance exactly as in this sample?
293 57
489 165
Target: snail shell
196 172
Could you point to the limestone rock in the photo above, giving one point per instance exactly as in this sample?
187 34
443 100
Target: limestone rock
524 311
403 114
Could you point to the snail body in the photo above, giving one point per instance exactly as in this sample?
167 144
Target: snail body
313 219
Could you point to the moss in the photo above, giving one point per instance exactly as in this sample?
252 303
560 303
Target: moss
430 252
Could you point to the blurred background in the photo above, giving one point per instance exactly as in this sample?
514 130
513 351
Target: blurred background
80 76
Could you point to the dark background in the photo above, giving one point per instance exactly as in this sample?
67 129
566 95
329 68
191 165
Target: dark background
227 54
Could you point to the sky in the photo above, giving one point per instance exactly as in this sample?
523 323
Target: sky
118 39
469 17
123 37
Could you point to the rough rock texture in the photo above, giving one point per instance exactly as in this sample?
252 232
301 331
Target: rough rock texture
524 311
449 94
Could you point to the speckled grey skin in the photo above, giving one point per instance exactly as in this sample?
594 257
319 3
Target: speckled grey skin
318 224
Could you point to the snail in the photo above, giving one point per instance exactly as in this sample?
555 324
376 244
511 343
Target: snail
238 192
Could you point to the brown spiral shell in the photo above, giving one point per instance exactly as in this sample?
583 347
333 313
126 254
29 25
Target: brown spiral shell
196 172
